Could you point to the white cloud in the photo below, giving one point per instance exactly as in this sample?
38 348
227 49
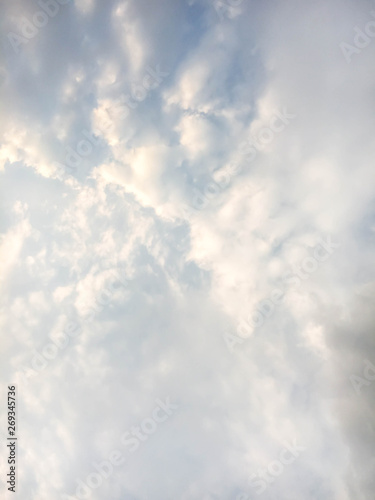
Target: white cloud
193 275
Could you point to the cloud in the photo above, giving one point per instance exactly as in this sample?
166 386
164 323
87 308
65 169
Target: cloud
168 222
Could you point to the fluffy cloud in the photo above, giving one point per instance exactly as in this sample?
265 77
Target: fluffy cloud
147 220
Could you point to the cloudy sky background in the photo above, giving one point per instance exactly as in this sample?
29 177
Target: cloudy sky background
196 267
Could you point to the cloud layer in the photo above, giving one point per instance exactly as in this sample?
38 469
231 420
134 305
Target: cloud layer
166 166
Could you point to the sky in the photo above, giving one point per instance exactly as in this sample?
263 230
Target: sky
187 226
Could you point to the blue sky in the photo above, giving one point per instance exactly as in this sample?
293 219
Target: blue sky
187 212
